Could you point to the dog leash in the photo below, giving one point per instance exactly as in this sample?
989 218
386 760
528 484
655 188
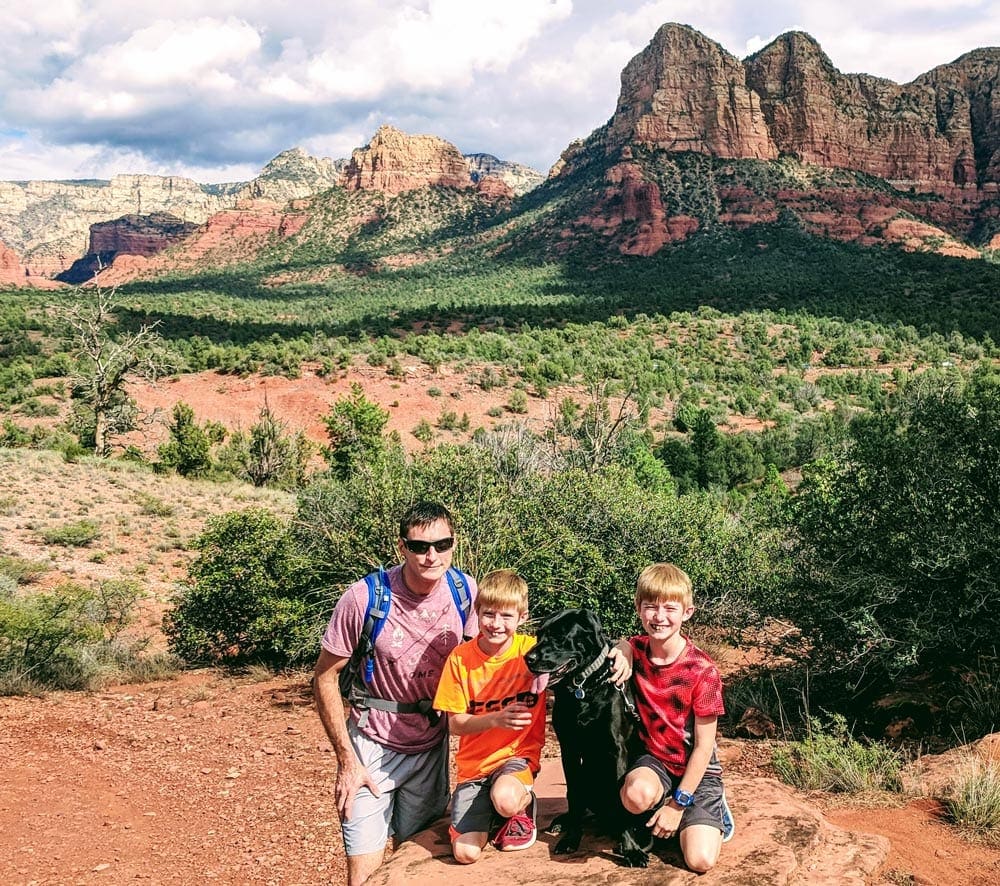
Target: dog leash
589 671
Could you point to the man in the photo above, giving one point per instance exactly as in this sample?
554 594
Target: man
392 776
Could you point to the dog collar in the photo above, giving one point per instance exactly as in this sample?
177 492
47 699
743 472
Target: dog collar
589 671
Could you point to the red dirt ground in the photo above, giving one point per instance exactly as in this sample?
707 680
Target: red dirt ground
207 778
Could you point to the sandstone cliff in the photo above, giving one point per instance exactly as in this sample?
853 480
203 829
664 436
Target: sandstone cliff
684 92
855 121
48 223
141 235
394 162
519 178
818 137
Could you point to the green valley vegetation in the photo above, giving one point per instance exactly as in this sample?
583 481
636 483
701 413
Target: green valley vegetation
774 355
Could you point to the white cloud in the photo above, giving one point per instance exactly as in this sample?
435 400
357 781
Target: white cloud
174 52
193 84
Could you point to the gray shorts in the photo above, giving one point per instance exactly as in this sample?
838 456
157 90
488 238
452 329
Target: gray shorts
707 806
413 792
471 806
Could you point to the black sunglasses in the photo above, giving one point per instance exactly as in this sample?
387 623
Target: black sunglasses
417 546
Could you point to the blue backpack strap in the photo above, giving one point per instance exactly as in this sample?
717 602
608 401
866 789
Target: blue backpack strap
458 582
379 600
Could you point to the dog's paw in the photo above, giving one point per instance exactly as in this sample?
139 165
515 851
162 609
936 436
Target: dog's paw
557 827
635 858
568 843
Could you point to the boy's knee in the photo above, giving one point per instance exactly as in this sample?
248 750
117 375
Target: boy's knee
509 797
466 853
639 795
508 804
700 862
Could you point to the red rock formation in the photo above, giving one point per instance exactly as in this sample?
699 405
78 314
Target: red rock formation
633 203
139 234
227 236
394 162
11 270
14 273
493 188
856 121
684 92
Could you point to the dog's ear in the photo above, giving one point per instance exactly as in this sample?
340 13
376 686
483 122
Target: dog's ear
593 619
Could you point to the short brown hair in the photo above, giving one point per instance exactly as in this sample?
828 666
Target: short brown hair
501 588
661 582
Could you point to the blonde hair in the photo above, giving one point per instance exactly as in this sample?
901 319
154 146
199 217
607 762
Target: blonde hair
664 582
500 589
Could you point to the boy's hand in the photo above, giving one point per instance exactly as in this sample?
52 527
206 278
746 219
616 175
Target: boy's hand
665 821
515 716
620 658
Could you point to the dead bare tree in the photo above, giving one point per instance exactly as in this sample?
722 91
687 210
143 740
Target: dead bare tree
108 362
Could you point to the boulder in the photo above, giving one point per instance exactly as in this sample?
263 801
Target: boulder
780 839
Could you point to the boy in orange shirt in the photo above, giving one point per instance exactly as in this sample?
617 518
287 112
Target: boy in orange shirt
497 708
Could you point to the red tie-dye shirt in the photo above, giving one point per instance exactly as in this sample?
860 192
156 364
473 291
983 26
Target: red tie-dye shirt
669 697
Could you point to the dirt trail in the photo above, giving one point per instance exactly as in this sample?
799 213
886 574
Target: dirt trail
211 779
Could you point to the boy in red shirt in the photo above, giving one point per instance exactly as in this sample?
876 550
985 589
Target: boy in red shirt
676 786
497 709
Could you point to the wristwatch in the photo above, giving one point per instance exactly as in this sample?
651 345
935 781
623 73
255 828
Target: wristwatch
683 798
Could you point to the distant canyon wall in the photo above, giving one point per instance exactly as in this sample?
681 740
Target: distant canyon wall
684 92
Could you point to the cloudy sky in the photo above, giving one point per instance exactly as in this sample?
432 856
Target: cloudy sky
213 89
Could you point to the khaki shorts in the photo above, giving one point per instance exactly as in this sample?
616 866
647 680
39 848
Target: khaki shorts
413 792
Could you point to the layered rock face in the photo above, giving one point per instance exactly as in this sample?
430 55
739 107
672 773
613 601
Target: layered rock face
48 223
684 92
394 162
519 178
139 234
142 235
228 236
855 121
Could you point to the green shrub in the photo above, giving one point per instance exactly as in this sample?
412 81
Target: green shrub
238 604
21 570
423 431
973 799
78 534
517 402
898 567
266 455
152 505
189 449
830 759
71 638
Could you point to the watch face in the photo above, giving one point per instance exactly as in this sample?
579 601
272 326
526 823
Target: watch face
683 798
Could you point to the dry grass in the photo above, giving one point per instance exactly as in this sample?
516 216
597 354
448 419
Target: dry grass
146 521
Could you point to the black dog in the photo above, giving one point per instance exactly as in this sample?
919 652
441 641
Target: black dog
596 726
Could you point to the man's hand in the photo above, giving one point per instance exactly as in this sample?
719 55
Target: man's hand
349 780
620 658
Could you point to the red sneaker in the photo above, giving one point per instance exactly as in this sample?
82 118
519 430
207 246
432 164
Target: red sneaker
518 831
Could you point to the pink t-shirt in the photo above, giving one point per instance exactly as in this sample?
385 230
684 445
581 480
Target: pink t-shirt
418 635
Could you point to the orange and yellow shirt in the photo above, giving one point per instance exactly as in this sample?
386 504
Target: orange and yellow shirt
473 682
